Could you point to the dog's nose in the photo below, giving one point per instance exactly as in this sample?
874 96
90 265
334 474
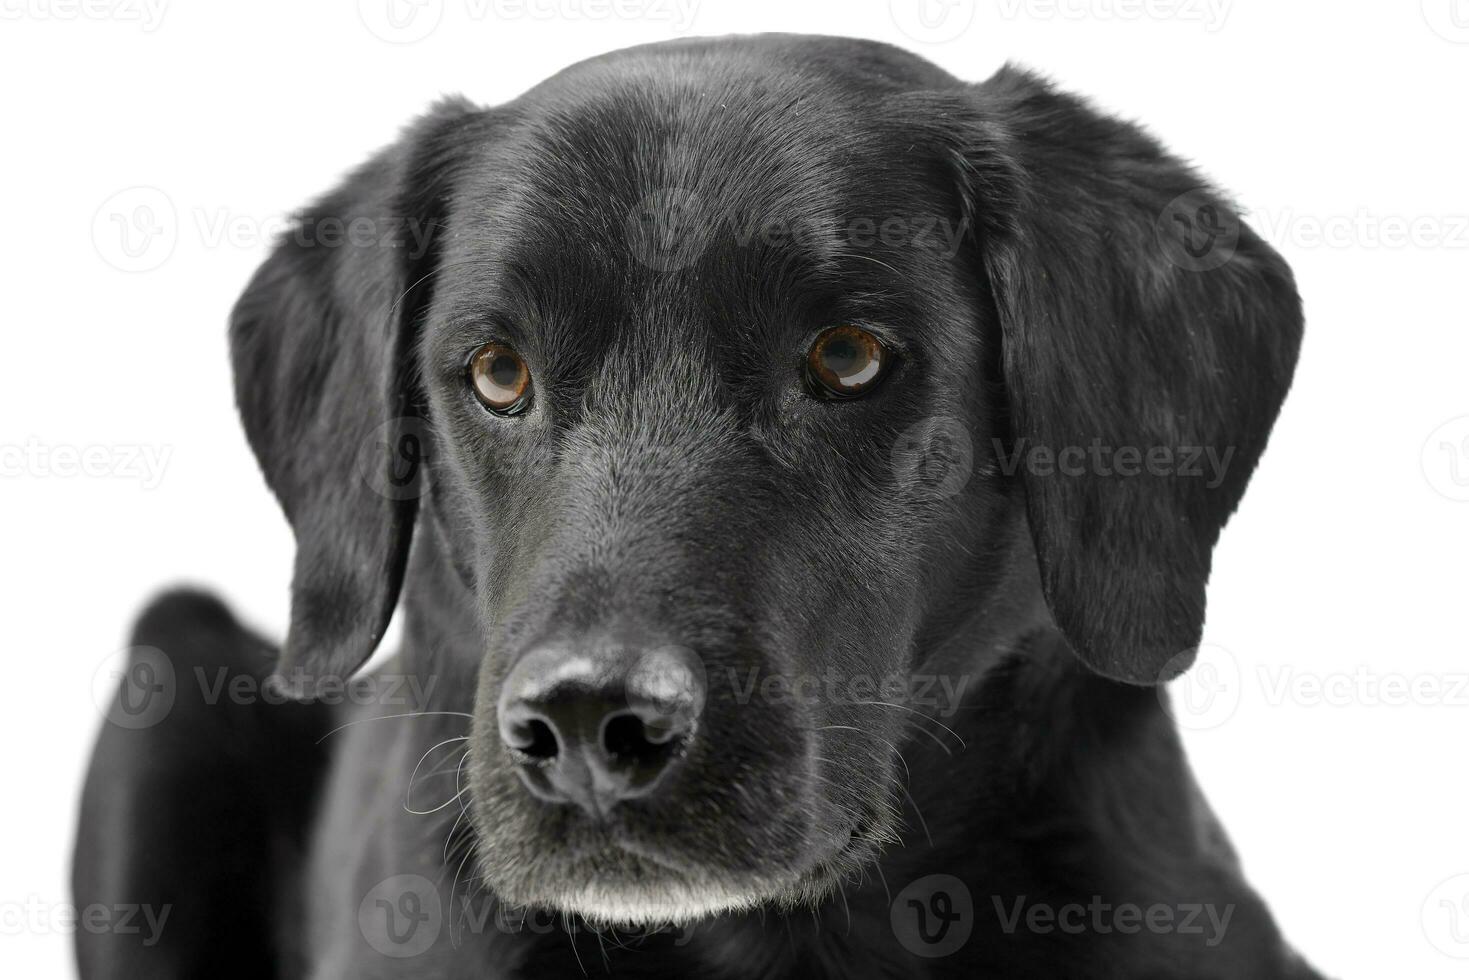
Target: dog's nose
597 729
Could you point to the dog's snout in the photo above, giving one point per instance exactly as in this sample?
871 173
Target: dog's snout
595 729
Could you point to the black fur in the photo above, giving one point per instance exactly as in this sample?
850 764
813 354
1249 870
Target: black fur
674 482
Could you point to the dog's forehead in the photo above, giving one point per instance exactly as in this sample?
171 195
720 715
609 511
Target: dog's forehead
693 203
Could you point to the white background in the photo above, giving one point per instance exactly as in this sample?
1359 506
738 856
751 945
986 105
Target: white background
1340 127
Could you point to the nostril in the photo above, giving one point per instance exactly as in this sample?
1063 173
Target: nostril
531 736
624 736
539 740
627 737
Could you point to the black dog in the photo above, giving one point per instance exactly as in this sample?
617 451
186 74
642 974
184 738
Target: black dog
801 456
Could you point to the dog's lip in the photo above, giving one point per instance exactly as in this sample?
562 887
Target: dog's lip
611 835
843 841
623 841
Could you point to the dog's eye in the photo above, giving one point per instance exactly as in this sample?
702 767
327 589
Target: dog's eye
845 362
500 379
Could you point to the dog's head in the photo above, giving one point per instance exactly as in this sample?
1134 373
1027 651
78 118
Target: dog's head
736 365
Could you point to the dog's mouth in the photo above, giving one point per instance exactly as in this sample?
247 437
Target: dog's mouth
634 885
670 863
630 882
615 783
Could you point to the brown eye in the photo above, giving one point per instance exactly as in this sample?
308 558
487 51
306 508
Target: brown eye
500 379
845 362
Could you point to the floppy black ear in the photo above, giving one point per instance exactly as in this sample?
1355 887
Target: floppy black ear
320 343
1138 315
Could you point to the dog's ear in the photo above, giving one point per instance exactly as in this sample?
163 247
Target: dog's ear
321 346
1148 339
